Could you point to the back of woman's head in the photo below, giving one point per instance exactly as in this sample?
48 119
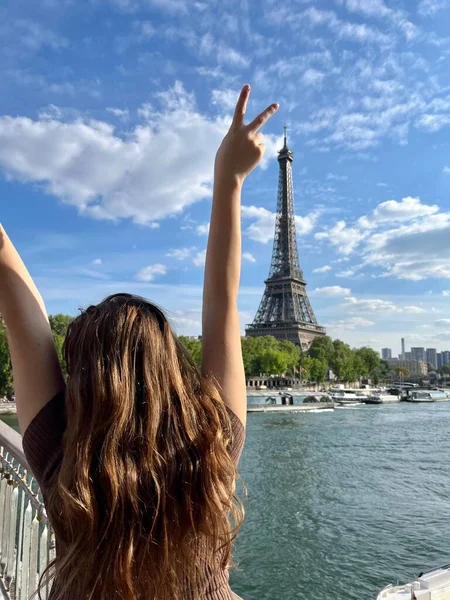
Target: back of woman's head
146 483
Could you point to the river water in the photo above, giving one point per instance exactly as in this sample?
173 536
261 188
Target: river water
341 503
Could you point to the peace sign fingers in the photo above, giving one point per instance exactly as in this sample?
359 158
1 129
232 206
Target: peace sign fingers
241 106
262 118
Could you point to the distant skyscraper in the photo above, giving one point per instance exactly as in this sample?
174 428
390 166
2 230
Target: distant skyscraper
439 360
403 349
432 357
386 353
418 354
408 355
445 357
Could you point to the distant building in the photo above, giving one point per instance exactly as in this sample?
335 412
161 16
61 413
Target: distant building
439 360
403 349
418 354
386 353
445 357
432 357
415 367
408 356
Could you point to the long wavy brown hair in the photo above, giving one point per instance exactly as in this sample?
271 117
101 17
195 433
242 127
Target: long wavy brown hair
144 504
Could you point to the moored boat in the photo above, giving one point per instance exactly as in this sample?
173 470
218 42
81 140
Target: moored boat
427 396
432 585
382 398
286 402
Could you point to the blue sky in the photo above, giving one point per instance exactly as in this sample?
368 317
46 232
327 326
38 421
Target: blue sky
111 112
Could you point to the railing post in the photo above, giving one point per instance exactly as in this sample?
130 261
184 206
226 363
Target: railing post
25 542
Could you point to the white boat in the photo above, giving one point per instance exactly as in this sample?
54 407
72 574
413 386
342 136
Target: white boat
288 402
347 397
427 396
382 398
433 585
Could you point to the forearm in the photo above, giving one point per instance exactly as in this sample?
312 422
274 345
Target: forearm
223 256
14 280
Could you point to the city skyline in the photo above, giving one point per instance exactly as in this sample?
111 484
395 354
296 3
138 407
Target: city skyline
111 114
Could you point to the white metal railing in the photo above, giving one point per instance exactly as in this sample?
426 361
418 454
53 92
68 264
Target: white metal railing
26 540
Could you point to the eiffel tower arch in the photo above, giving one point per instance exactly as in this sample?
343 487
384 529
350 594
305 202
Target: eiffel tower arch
285 311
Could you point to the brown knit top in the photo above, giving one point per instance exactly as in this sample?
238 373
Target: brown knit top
43 447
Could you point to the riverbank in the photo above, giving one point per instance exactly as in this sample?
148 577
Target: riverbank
8 408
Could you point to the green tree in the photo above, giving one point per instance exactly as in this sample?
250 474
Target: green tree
343 361
318 369
273 362
322 347
194 347
370 358
5 364
293 352
59 323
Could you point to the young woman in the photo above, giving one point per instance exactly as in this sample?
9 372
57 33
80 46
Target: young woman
137 452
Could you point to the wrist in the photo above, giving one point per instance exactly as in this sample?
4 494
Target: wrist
229 181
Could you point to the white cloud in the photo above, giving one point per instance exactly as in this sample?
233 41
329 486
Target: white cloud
323 269
263 228
446 170
229 56
350 324
392 211
313 78
122 113
334 177
180 253
355 32
440 322
344 238
199 259
333 290
375 305
428 8
248 256
149 273
34 36
446 292
416 251
109 176
432 123
224 99
377 9
97 261
203 229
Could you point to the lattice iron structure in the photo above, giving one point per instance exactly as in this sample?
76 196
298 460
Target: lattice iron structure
285 311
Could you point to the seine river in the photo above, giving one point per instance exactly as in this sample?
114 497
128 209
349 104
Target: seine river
341 503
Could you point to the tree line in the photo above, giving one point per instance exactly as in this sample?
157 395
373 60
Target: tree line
268 356
261 355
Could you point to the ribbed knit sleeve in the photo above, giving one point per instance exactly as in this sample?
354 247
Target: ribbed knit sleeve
238 436
42 440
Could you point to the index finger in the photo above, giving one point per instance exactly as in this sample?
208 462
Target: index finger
241 106
262 118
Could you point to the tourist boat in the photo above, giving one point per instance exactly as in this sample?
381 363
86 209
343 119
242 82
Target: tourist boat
286 402
433 585
426 396
382 398
348 397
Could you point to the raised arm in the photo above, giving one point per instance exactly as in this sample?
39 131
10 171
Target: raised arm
239 153
36 371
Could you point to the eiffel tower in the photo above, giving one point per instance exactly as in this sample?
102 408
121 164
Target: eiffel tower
285 311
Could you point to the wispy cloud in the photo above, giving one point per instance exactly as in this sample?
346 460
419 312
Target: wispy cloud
150 272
